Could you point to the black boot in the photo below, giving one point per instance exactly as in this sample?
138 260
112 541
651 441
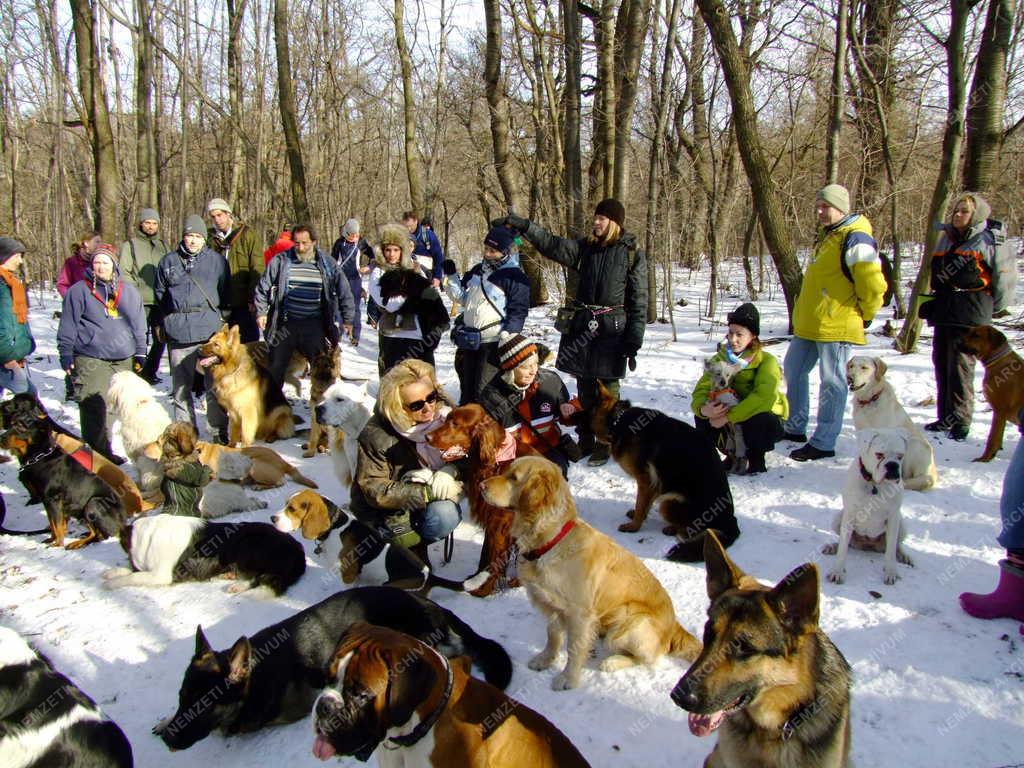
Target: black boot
586 443
599 456
755 464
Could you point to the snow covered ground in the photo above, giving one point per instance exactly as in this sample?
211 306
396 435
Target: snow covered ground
932 687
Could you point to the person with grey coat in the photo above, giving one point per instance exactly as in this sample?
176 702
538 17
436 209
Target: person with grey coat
138 259
193 290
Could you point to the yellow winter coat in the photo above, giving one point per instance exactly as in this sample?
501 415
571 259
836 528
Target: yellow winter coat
830 307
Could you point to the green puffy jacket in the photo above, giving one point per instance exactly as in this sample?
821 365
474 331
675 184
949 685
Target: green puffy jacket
16 342
757 387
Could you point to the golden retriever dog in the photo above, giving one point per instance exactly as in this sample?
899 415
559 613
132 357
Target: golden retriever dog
142 420
268 468
584 583
256 408
875 406
324 370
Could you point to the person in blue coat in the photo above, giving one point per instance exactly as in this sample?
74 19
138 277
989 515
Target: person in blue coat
193 291
346 255
426 248
495 296
102 331
298 299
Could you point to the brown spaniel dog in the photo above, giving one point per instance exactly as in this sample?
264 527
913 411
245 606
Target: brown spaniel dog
480 437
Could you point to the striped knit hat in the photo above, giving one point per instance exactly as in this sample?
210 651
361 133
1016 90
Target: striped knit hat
513 348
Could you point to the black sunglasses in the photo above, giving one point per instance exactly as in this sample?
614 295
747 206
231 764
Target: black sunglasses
419 405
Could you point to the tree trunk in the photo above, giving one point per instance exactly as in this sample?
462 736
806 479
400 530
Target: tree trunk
946 181
630 34
96 118
147 180
835 117
289 120
604 104
236 13
987 100
766 198
573 176
413 165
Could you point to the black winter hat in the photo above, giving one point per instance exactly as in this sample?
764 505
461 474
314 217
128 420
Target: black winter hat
500 238
612 209
747 316
8 247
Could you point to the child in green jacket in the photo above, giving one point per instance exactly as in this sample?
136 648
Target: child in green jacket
758 408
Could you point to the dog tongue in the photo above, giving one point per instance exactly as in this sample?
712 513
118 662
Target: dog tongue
322 749
703 725
208 361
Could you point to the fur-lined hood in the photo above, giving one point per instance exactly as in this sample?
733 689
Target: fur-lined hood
396 234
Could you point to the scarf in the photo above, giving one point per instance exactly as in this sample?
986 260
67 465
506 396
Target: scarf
18 296
732 357
430 457
109 302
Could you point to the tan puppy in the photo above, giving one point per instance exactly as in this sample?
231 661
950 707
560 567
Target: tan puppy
875 406
582 581
391 694
268 469
324 370
1003 384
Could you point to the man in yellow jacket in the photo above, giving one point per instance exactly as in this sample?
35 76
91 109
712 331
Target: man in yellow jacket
841 292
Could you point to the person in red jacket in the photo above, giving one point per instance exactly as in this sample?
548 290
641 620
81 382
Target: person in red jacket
283 243
79 261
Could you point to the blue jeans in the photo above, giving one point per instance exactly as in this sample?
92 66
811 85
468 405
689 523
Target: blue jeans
436 521
16 381
831 359
1011 503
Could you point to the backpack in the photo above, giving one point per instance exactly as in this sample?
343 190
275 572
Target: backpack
886 272
1004 270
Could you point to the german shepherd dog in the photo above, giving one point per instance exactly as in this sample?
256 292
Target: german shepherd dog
674 466
256 408
324 370
768 679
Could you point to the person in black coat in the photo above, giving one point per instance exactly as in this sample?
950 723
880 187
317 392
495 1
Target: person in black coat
603 326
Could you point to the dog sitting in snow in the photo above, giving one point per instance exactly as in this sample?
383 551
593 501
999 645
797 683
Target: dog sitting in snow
872 497
344 411
225 494
722 393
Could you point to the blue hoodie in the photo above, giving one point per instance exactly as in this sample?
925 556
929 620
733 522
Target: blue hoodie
88 327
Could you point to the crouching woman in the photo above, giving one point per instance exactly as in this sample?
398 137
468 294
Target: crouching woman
403 485
759 408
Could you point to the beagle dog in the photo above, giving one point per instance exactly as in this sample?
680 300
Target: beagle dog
358 551
387 689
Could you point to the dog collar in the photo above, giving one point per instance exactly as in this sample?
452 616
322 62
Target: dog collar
535 554
430 720
867 476
788 728
1003 351
871 399
40 456
336 522
613 421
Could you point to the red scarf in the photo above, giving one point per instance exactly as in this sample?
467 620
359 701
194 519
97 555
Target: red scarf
18 297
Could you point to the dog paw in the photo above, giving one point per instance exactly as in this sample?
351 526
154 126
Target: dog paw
838 576
890 575
669 530
630 513
113 573
540 662
830 549
238 587
162 726
564 682
616 662
632 527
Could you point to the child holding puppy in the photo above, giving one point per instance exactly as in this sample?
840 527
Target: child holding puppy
184 475
761 407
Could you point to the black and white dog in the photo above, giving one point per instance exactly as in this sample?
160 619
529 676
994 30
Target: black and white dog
353 549
165 549
46 720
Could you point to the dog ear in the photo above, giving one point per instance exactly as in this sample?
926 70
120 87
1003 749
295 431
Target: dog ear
239 658
407 687
348 558
795 599
722 573
880 368
203 646
542 486
488 434
233 335
317 518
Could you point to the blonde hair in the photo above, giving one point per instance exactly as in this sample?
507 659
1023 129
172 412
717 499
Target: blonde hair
611 235
389 398
398 235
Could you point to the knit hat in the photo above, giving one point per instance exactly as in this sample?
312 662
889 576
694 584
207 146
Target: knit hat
218 204
105 249
612 209
351 228
747 316
194 225
513 348
835 195
147 214
8 247
500 238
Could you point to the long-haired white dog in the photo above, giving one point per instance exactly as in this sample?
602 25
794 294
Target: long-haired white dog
345 410
143 420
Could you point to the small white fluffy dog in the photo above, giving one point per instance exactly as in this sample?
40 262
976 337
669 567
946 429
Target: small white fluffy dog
872 496
143 420
225 494
876 406
344 411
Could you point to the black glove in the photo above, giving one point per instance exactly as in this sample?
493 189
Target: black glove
138 363
631 362
628 351
448 267
867 324
517 222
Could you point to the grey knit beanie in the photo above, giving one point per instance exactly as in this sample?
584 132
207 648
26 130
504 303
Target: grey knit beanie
835 195
148 214
194 225
351 228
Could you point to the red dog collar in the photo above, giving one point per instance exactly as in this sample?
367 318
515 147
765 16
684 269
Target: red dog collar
534 554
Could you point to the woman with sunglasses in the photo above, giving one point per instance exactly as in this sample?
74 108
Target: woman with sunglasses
403 485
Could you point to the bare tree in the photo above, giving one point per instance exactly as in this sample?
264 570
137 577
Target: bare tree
413 165
289 119
838 105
